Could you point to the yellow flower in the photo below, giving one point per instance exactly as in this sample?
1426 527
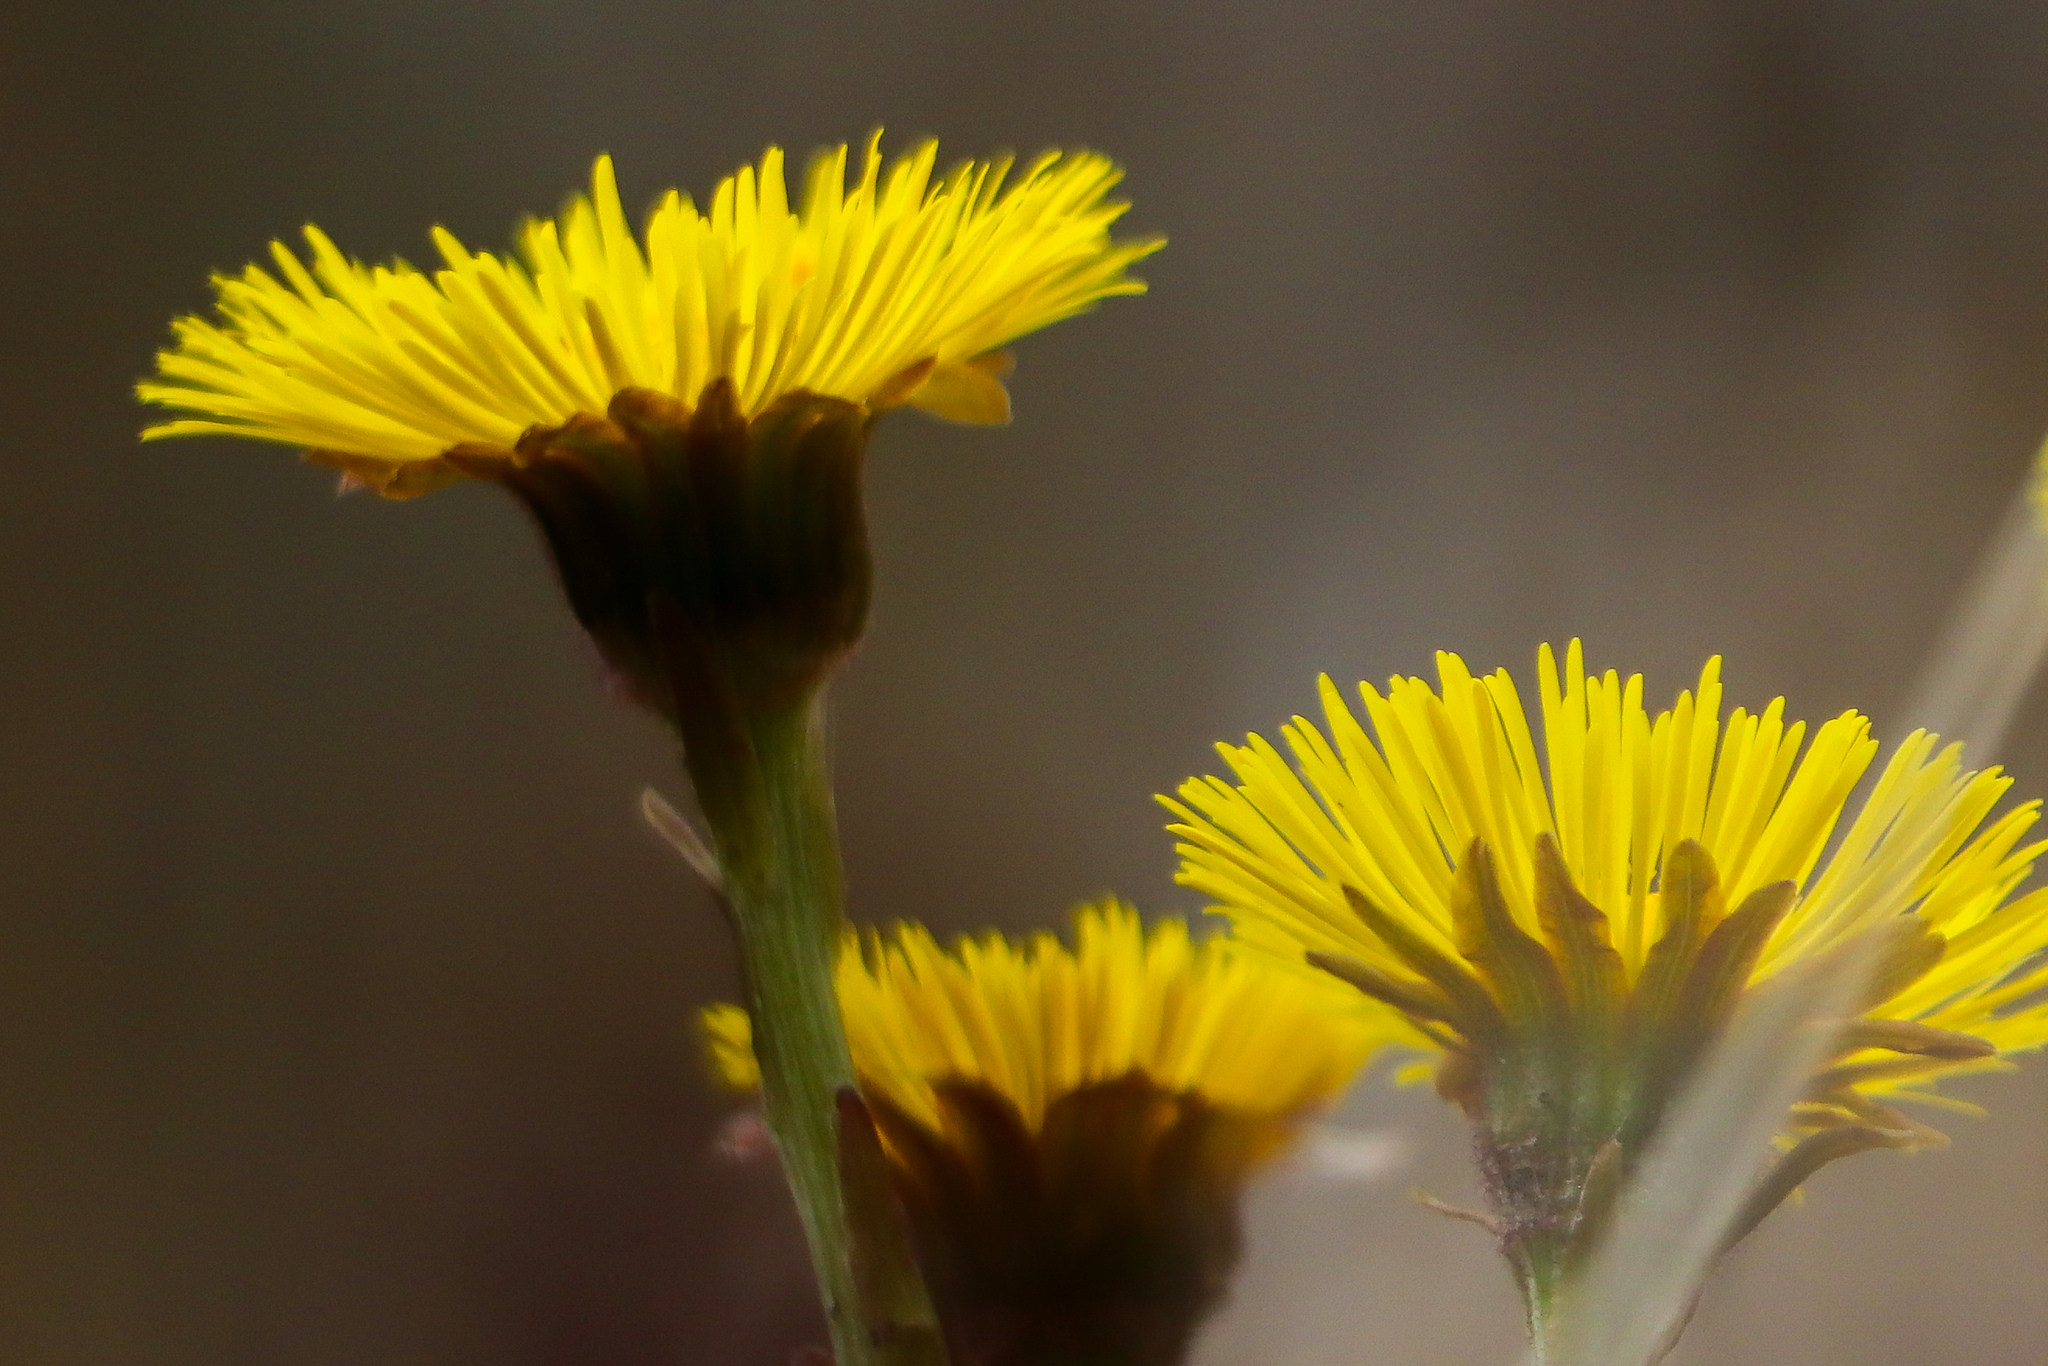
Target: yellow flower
1567 950
686 415
898 291
1069 1129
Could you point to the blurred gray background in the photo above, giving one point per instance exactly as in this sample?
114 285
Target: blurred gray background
344 1007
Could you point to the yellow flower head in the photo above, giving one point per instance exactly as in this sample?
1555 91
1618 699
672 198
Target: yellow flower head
1036 1022
1569 948
1069 1128
900 290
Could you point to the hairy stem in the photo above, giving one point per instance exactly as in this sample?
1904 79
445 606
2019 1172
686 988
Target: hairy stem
768 799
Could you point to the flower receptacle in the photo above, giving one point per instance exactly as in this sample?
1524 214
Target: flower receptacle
1104 1237
720 564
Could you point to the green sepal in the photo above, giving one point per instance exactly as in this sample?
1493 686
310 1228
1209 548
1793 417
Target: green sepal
1713 984
1726 960
1808 1156
1478 1015
709 557
1911 1036
1520 970
1595 980
1689 892
1422 1002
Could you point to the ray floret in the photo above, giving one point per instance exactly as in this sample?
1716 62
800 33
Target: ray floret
900 289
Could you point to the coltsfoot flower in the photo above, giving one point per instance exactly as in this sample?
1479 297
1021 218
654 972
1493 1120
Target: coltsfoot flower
685 413
1069 1129
1567 951
897 291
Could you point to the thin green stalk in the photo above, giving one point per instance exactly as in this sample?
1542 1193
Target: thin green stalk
1539 1268
768 799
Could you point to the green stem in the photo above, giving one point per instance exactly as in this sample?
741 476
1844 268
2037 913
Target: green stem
1540 1287
768 798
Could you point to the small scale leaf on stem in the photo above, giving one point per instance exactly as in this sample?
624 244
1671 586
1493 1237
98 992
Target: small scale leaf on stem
677 832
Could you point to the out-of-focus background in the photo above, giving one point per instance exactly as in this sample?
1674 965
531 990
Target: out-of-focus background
345 1007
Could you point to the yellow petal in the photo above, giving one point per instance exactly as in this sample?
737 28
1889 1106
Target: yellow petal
968 392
